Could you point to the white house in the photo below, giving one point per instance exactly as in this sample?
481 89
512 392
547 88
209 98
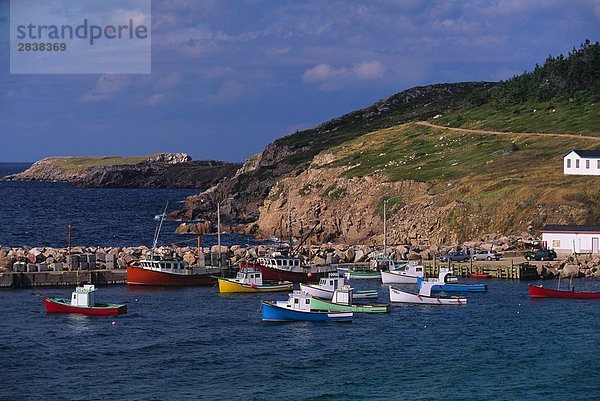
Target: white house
569 239
582 162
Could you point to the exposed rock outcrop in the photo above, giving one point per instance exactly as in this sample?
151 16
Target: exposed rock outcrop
163 170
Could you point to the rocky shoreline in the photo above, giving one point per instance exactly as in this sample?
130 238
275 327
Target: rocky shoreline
163 170
41 259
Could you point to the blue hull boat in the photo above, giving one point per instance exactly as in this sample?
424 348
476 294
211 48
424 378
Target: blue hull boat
272 312
450 287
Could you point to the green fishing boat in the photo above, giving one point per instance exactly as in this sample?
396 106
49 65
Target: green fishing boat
362 272
342 301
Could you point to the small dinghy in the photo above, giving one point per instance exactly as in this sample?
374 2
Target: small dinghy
250 280
82 301
423 297
328 285
298 308
343 301
538 291
405 274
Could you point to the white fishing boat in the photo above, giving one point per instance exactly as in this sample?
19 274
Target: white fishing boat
406 274
329 284
423 297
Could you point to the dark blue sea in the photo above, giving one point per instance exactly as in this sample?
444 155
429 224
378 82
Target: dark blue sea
194 344
38 213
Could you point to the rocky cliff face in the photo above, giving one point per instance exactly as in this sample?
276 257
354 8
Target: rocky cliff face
163 170
244 194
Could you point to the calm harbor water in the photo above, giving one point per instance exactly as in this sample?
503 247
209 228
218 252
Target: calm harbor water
192 343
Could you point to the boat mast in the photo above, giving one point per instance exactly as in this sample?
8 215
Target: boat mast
69 247
385 202
219 231
158 228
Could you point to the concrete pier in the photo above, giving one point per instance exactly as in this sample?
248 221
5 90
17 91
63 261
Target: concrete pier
62 278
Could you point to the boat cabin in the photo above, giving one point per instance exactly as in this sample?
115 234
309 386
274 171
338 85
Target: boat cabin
83 296
343 295
412 267
249 277
299 300
156 263
278 261
332 282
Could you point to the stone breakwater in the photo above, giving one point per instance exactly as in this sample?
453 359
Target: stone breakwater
43 259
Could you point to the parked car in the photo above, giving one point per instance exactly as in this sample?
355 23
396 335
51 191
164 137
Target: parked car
455 257
486 255
541 254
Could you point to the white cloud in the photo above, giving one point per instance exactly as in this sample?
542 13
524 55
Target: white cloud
106 87
155 99
331 78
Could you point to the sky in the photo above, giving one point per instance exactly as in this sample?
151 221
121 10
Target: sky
229 77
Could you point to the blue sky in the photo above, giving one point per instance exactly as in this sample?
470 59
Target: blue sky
228 77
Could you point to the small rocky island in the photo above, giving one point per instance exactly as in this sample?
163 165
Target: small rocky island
162 170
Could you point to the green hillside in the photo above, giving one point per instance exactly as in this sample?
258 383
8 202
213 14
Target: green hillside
563 95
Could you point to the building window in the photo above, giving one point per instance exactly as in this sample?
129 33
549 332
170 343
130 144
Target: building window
568 163
598 164
577 163
587 164
555 243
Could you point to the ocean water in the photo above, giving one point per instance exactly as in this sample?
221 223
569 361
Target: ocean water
37 214
194 344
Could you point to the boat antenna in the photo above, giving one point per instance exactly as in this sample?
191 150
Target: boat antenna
158 227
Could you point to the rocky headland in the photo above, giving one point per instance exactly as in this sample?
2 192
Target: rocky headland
163 170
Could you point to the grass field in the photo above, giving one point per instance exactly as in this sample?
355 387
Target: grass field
82 163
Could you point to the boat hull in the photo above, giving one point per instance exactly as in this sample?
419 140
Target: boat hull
360 275
269 273
60 305
541 292
326 294
141 276
392 277
227 286
460 287
398 296
323 304
274 313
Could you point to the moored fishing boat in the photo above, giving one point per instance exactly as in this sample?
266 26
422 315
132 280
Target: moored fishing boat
405 274
157 270
446 281
538 291
362 273
329 284
250 280
83 302
279 267
298 308
423 297
480 276
342 301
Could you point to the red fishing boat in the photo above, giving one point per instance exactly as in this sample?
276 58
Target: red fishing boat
480 276
279 267
538 291
158 271
82 301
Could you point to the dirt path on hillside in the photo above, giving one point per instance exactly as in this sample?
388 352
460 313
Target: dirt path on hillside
479 131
